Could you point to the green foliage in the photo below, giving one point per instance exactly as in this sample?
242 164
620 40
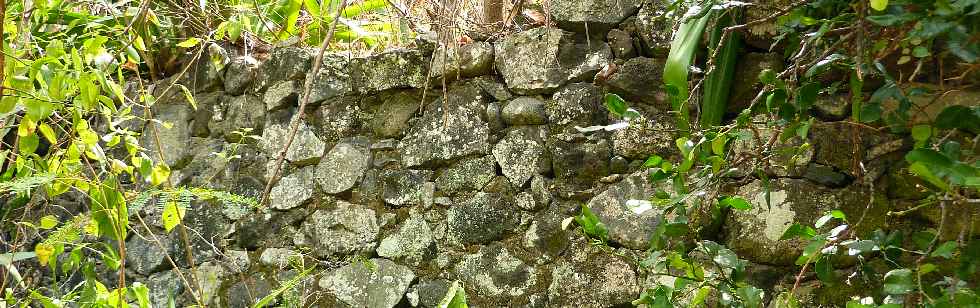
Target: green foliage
718 82
591 225
455 297
678 64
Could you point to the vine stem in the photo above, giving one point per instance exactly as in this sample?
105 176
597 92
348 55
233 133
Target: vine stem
307 88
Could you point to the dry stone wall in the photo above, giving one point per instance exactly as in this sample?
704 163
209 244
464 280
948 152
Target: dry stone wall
394 191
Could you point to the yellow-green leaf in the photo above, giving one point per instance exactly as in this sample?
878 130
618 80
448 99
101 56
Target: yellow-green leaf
172 214
160 174
48 133
879 5
48 222
43 252
188 96
191 42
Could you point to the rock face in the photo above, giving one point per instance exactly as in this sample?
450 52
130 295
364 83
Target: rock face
578 104
574 280
406 187
343 166
522 154
331 81
348 229
592 17
414 242
524 111
542 59
470 174
393 115
448 132
293 190
373 283
389 70
625 226
306 148
483 218
469 60
634 82
498 277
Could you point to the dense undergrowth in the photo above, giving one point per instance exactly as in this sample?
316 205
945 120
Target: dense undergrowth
65 118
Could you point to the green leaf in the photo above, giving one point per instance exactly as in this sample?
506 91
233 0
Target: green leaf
961 117
47 132
751 296
879 5
173 213
678 64
27 144
142 294
188 96
160 174
825 271
735 203
945 250
926 268
921 133
615 104
48 222
653 161
798 230
191 42
898 281
718 82
718 144
455 297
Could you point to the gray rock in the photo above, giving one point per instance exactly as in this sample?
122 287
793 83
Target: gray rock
431 292
745 84
654 27
469 60
346 230
578 104
332 80
172 140
293 190
754 234
590 277
832 107
146 257
481 219
446 134
496 277
545 236
468 174
341 118
236 261
253 231
593 17
408 187
580 163
626 227
413 243
524 111
239 74
540 190
633 82
306 148
284 64
343 166
163 286
207 279
278 258
381 284
249 290
392 117
492 86
522 154
646 135
540 60
834 145
283 94
826 176
393 69
237 114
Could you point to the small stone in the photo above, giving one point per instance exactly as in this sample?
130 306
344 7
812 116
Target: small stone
632 80
286 63
581 163
578 104
236 261
469 60
521 155
332 81
346 230
236 115
293 190
278 257
826 176
590 277
653 26
343 166
524 110
163 286
282 94
832 108
481 219
621 44
626 227
540 60
445 134
414 243
408 187
240 74
400 68
381 284
494 275
392 117
466 175
305 150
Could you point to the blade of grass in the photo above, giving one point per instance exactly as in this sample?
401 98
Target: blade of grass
677 67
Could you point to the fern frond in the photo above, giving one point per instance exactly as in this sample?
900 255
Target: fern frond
27 183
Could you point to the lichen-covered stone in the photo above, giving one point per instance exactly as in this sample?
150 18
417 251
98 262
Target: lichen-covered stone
392 117
578 104
524 110
481 219
496 277
283 94
444 134
634 81
522 154
392 69
626 227
592 17
541 60
237 114
239 75
654 27
545 236
305 149
206 280
590 277
343 166
340 118
468 174
346 230
408 187
381 283
332 80
413 243
580 163
146 256
278 257
832 107
621 43
253 231
646 135
284 64
293 190
163 286
469 60
173 139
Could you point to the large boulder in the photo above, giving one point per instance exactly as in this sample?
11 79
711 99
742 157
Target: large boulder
522 154
639 82
627 227
293 190
466 175
592 277
481 219
592 17
448 130
468 60
401 68
495 277
541 60
348 229
343 166
413 243
370 283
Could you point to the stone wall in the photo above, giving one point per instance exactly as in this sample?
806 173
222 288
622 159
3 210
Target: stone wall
395 191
